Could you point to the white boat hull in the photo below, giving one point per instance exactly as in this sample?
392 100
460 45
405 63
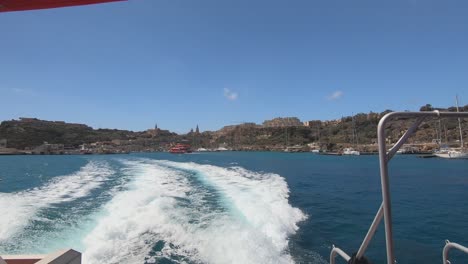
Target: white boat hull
452 155
352 153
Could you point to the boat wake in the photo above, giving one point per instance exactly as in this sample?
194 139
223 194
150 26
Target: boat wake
187 212
154 211
20 208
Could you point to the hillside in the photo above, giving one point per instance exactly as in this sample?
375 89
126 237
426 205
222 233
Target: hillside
28 133
330 133
31 132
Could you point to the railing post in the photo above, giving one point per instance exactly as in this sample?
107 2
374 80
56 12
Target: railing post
445 252
370 233
387 208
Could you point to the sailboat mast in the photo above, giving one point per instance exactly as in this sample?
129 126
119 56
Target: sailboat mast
318 133
354 132
459 123
446 135
440 133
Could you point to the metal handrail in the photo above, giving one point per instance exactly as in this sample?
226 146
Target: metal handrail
385 211
340 252
449 245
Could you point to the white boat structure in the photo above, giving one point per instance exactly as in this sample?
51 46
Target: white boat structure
407 150
221 149
66 256
453 153
351 151
385 210
202 150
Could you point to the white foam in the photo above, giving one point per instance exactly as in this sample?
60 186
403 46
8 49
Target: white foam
253 228
17 209
260 198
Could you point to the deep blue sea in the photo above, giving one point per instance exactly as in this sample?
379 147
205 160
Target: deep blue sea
228 207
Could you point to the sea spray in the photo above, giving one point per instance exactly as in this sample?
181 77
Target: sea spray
164 204
261 198
18 209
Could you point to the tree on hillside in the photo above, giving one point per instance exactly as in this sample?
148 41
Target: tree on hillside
427 107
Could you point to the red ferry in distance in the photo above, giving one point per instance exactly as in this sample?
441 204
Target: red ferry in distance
180 149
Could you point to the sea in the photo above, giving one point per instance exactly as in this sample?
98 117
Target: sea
228 207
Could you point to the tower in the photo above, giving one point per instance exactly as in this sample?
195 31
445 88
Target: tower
197 130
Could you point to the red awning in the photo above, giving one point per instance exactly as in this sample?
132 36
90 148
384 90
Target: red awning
19 5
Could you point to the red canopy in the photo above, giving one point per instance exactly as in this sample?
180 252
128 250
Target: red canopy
19 5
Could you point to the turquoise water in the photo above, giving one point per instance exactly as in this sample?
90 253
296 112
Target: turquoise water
229 207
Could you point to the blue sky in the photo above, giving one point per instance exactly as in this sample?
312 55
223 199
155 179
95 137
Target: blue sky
180 63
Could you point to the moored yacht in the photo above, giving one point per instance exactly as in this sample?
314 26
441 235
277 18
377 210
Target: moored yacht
453 153
351 151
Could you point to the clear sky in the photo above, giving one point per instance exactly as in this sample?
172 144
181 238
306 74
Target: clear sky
180 63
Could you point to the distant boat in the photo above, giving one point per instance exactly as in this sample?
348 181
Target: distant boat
221 149
202 150
351 151
180 149
326 153
407 150
453 153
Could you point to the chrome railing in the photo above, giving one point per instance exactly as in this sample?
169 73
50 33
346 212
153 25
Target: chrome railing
385 209
449 245
340 252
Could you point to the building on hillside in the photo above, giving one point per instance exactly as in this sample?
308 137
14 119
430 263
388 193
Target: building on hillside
28 119
332 122
3 143
153 132
313 123
283 122
47 148
249 125
118 142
